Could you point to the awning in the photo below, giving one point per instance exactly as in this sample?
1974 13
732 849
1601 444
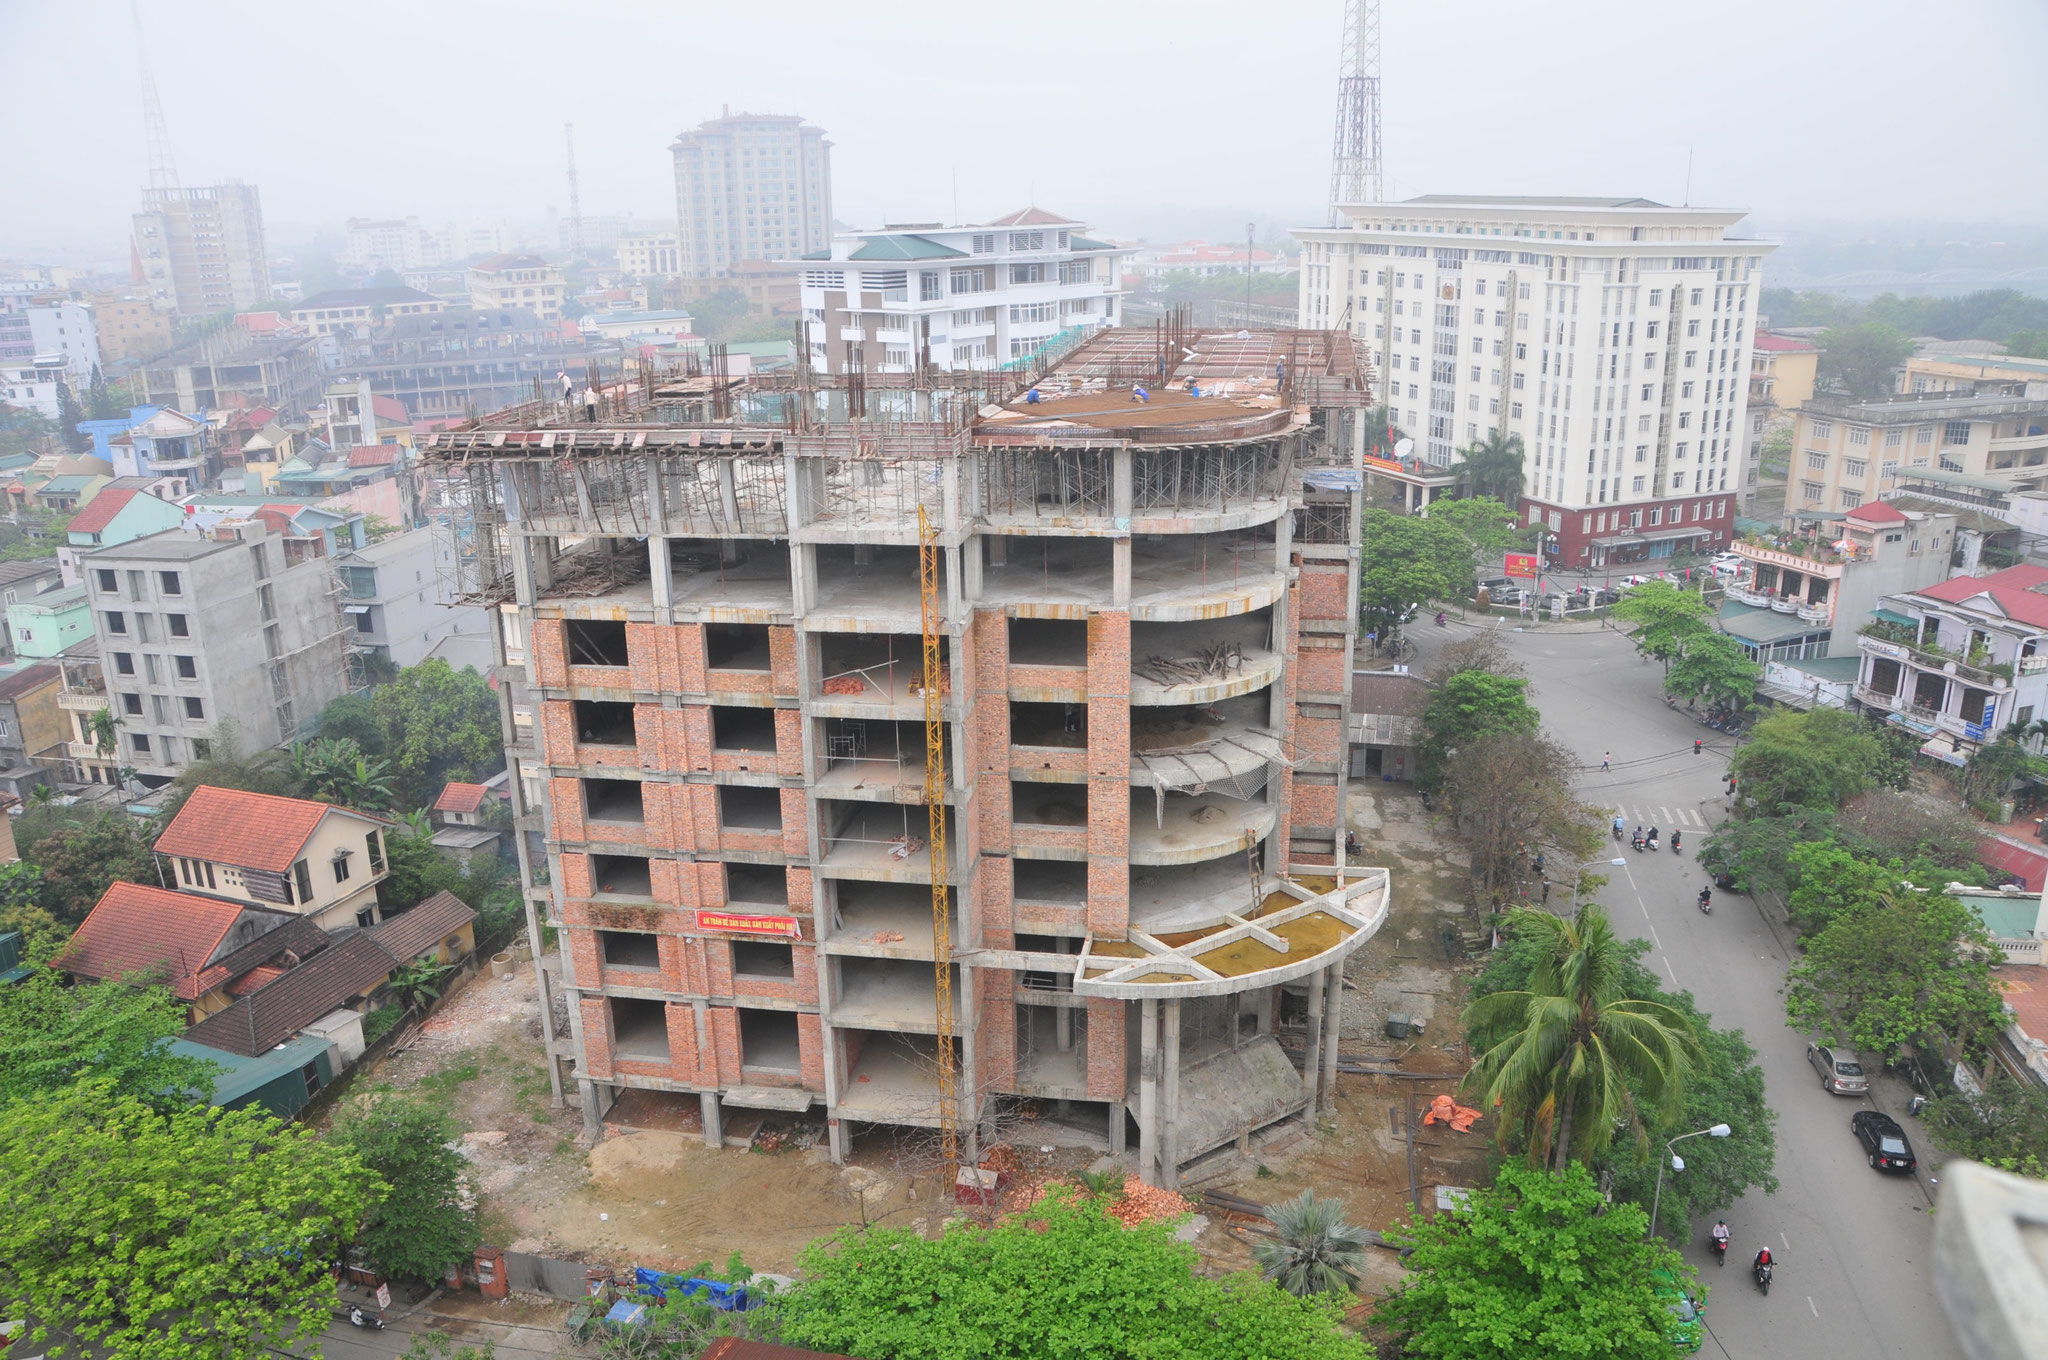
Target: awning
1892 616
1942 749
1651 536
1762 626
355 609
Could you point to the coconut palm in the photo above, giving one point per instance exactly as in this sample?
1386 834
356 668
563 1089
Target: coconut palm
1562 1062
1492 467
1381 434
1317 1251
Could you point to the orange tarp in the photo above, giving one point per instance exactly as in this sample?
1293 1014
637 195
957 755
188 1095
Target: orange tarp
1444 1110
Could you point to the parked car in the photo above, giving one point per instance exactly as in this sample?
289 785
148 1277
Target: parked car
1729 559
1838 1069
1688 1315
1725 571
1884 1142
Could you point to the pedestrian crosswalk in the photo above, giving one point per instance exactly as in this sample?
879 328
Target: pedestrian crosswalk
1660 816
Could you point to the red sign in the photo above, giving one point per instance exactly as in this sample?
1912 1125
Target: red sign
748 924
1520 564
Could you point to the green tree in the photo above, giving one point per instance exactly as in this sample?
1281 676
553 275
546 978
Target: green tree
1571 1057
354 718
1862 359
1663 618
158 1235
1996 768
1486 525
417 984
69 413
441 724
99 398
115 1033
1064 1280
1381 434
335 770
1714 668
2030 344
1885 974
427 1219
84 856
1817 759
1537 1265
1317 1251
2005 1126
1468 706
1514 799
1406 561
1830 878
1492 466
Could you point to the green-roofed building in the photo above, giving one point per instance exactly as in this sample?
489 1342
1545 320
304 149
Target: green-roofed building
1026 285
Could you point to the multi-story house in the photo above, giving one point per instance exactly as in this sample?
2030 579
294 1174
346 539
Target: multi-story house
395 596
523 281
32 727
309 859
1802 597
353 311
235 369
201 250
728 738
66 332
1848 450
168 445
131 327
238 625
1958 661
751 187
1978 375
124 509
1611 336
44 625
970 297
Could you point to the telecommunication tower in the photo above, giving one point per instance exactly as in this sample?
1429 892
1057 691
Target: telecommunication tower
163 172
575 198
1355 150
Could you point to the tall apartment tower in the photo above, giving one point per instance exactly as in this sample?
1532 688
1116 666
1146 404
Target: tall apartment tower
712 634
751 187
1613 336
201 250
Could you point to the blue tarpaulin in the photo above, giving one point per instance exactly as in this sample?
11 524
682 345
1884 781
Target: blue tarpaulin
730 1298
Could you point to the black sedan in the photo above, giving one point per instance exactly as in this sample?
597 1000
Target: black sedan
1883 1140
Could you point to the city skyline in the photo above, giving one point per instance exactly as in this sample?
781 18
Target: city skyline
1785 124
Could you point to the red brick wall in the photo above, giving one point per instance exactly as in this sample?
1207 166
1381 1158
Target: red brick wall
1324 670
550 642
1105 1049
725 1045
1323 594
782 660
597 1038
1109 773
687 642
810 1047
996 1040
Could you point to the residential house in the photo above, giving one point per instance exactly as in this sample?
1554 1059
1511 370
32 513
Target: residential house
44 625
22 581
1980 375
237 623
353 311
69 491
91 750
1957 661
464 832
524 281
461 805
234 369
1801 598
196 946
395 596
31 726
442 928
166 444
291 854
32 384
121 512
1386 724
1846 450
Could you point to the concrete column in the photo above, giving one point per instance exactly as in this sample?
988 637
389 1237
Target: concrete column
1120 574
728 502
1332 1025
1312 1069
714 1122
593 1119
1063 1028
658 572
1169 1133
1148 1091
1120 484
1116 1128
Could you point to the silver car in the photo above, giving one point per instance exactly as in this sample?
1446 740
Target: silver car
1839 1071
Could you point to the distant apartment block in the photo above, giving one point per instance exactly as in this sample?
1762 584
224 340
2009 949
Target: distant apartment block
1846 451
395 596
393 243
751 187
236 370
462 361
967 297
240 625
654 254
1976 375
355 310
62 332
201 250
524 281
131 327
1611 335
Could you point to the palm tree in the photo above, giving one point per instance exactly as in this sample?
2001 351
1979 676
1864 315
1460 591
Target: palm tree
1492 467
1381 434
103 738
1318 1252
1559 1060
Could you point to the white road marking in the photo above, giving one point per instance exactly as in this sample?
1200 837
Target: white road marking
1663 814
1809 1304
1781 1238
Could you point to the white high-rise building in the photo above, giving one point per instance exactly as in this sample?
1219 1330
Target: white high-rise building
390 243
201 250
962 297
1612 336
751 187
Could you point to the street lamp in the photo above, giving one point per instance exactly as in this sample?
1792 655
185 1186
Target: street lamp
1678 1164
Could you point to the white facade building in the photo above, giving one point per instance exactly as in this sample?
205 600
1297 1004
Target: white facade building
976 296
390 243
1612 335
751 187
652 254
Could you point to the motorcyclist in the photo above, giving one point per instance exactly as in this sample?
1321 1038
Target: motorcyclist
1637 839
1617 828
1653 833
1440 618
1721 1237
1677 839
1706 896
1762 1261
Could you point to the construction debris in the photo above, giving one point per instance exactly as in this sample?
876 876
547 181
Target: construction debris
1142 1203
1210 663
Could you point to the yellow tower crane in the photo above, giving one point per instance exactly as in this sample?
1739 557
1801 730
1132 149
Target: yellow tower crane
935 807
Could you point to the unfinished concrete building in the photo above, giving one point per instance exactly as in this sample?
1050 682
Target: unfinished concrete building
712 626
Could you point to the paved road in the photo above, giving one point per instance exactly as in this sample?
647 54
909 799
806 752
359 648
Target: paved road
1854 1247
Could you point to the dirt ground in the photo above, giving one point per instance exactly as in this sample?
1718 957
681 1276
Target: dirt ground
651 1193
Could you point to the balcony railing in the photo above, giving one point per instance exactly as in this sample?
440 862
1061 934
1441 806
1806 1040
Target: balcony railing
1815 613
1873 698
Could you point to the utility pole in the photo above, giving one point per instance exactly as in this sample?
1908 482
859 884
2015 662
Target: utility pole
575 199
1355 149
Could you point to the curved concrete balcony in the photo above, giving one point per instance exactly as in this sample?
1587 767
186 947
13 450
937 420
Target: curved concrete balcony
1202 577
1192 828
1257 668
1224 744
1305 925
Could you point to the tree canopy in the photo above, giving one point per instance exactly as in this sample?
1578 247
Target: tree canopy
1065 1280
1470 705
1714 668
81 856
440 724
1663 617
1862 358
1492 466
161 1235
427 1219
1539 1265
1816 759
1407 561
111 1031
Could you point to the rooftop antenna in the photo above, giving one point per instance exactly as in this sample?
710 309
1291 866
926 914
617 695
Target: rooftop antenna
1355 149
163 172
575 199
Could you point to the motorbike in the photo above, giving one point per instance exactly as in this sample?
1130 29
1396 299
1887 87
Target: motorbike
367 1321
1617 831
1761 1272
1636 842
1705 902
1652 843
1719 1246
1677 843
1441 622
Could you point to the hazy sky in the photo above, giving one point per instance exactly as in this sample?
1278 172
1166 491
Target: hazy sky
1143 114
